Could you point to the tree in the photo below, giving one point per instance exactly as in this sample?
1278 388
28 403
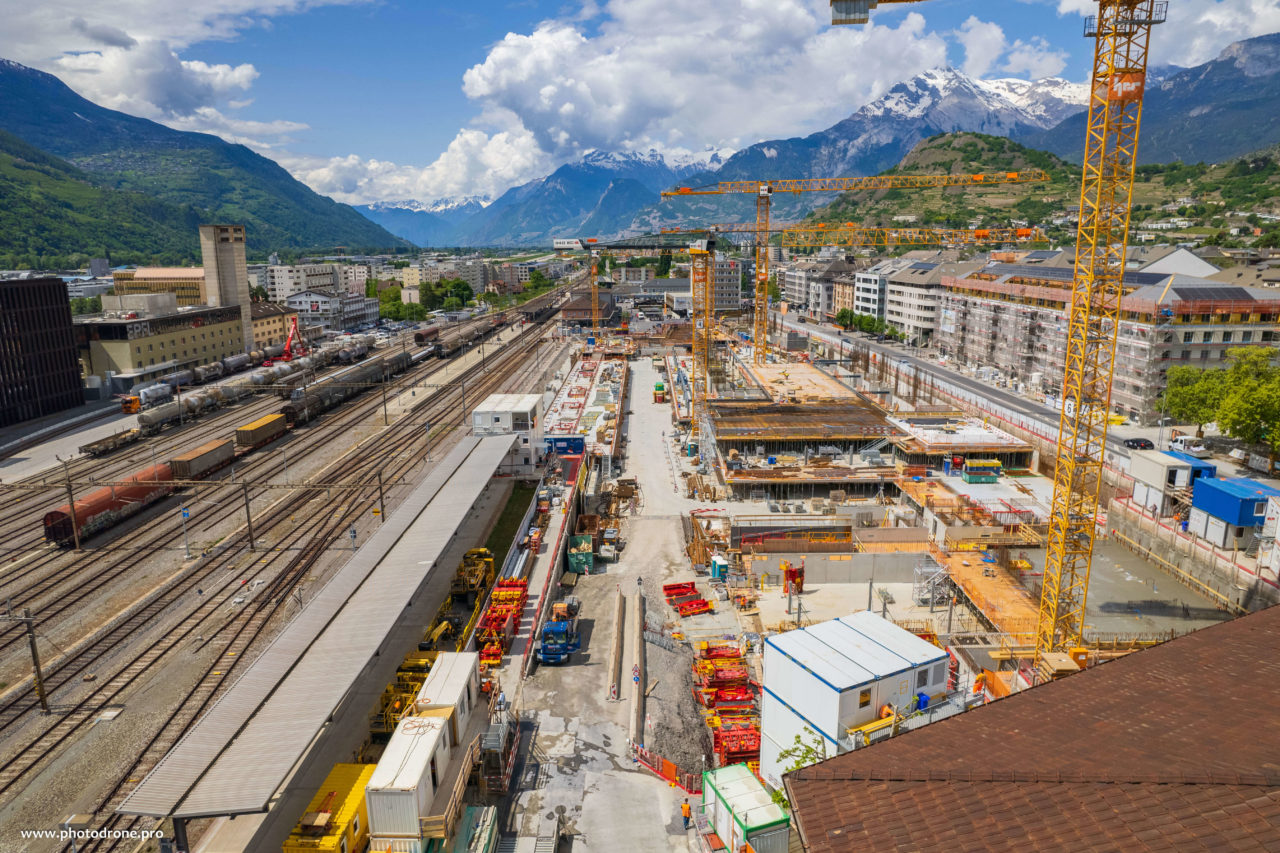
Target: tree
801 753
462 291
452 303
1193 396
1250 411
258 294
664 265
775 292
845 318
538 281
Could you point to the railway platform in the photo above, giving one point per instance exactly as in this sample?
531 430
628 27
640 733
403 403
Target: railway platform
260 751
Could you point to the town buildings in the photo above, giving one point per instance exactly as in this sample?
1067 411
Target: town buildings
332 310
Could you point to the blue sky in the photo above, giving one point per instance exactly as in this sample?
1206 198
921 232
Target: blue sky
388 99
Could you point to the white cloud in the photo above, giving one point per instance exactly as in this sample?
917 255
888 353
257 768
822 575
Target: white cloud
139 70
732 72
1035 59
1197 30
475 163
983 43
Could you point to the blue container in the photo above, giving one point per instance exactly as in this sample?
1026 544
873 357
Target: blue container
946 467
773 460
922 701
1236 500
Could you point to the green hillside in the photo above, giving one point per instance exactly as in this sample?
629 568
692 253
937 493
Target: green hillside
1215 198
956 207
50 211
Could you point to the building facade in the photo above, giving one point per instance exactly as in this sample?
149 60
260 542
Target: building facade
185 283
727 284
225 271
285 281
332 310
1013 318
139 338
271 323
913 298
39 373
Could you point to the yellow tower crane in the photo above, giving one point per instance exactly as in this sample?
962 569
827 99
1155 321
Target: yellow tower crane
851 234
764 190
1122 35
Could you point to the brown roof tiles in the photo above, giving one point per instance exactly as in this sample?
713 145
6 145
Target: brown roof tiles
1173 748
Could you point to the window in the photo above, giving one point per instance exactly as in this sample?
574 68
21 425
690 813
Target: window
939 672
342 845
1186 354
1260 508
922 679
355 824
151 347
1226 337
1207 337
1223 355
1186 337
864 698
1204 355
1246 337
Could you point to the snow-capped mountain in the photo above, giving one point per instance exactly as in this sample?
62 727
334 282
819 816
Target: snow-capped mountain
614 193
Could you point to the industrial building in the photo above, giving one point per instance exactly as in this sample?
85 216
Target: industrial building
226 275
139 338
39 373
1011 317
271 323
185 283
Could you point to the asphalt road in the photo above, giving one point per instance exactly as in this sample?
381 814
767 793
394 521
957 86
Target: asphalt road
1045 416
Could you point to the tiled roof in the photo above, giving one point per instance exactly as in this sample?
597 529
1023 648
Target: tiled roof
1173 748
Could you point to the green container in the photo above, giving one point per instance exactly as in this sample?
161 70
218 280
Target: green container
581 560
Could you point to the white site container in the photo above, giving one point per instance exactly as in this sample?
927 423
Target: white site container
1159 469
400 790
837 675
454 682
1197 522
741 812
379 844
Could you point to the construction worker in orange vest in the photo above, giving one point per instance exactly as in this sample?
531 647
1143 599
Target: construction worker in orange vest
685 812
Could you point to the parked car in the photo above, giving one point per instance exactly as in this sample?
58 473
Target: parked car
1139 444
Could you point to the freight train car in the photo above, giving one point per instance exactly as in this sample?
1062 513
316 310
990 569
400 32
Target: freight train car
110 505
206 458
235 363
324 397
208 372
264 430
423 337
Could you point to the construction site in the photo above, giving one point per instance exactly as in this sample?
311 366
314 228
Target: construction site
717 581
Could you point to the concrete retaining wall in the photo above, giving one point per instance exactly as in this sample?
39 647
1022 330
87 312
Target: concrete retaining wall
853 568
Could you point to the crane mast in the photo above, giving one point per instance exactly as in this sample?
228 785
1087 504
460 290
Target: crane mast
1122 33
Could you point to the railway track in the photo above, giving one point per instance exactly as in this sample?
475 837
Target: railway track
58 592
320 532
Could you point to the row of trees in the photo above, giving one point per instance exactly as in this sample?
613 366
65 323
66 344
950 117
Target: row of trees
1243 398
86 305
847 319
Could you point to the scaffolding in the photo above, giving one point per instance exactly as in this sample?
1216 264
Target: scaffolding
930 584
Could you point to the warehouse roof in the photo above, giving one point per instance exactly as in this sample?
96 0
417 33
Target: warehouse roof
233 760
1171 748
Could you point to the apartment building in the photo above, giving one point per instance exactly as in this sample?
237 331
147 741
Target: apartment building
1013 317
633 275
913 297
809 286
727 284
334 310
284 281
353 277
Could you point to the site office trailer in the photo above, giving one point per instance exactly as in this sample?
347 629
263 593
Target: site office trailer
837 675
741 812
454 682
400 791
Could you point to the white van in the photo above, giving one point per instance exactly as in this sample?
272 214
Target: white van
1190 445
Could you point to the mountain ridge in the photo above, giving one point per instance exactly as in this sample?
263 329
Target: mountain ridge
224 181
